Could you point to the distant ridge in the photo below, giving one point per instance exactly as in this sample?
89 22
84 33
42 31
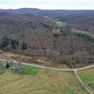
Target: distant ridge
55 14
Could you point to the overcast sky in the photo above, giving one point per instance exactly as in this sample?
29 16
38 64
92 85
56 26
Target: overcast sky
47 4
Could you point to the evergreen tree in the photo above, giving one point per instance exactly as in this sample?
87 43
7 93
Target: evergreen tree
23 46
7 65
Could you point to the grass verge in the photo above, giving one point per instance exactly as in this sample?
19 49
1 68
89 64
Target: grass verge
88 77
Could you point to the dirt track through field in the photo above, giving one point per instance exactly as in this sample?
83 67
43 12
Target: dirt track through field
75 70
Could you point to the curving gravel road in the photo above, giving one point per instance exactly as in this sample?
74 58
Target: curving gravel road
75 70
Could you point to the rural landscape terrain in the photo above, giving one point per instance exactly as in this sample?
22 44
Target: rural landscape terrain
46 51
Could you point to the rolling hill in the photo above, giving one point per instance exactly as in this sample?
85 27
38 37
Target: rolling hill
80 19
55 14
39 35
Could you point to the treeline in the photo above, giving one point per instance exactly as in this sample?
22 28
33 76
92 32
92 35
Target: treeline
61 48
85 35
67 29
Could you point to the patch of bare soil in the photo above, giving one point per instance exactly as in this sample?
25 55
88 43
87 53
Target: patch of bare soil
43 60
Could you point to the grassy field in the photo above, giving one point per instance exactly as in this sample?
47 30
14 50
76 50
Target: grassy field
29 69
39 81
88 77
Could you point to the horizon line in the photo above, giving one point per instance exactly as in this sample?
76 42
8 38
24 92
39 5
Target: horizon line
41 8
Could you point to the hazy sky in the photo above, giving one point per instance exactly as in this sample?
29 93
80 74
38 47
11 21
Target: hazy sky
48 4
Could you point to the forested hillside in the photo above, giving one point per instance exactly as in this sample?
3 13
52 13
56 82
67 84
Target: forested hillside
80 21
36 35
